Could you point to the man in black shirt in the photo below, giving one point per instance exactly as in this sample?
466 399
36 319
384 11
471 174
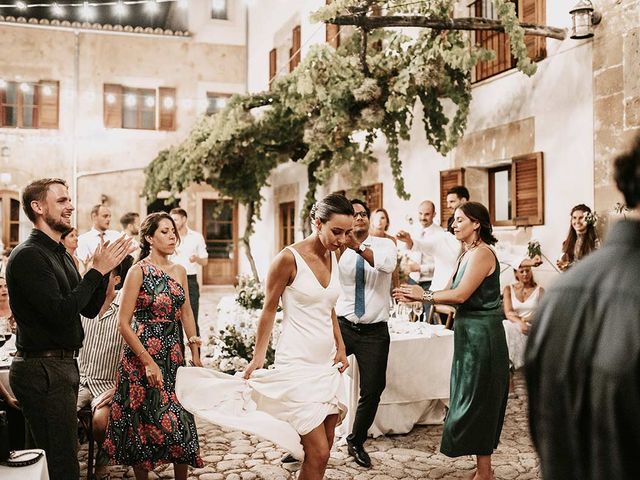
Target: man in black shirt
47 297
581 362
456 196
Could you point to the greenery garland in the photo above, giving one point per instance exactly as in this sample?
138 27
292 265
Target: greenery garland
327 113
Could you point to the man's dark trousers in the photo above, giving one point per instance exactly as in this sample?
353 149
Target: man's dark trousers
194 298
370 345
47 389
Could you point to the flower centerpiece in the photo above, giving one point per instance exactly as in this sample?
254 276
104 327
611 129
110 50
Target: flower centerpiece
249 293
230 349
591 218
534 249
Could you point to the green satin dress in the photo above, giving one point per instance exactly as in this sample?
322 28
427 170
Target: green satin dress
479 374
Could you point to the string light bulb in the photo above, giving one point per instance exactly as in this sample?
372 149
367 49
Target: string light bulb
87 12
130 100
168 103
183 4
149 101
152 7
21 5
111 98
47 90
24 87
218 6
57 10
120 9
3 84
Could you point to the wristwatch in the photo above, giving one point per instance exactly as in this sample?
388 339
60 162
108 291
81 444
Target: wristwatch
361 248
427 297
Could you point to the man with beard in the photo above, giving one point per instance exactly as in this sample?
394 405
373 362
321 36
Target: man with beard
366 268
47 297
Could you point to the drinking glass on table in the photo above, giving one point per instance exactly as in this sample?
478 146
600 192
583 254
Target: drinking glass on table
416 311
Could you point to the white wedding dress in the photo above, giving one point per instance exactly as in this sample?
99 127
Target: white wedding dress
516 340
302 389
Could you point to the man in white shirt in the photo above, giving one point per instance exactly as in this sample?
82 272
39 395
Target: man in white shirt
366 268
89 241
440 246
190 252
130 222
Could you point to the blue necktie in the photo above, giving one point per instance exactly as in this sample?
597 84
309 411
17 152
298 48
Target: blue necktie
359 304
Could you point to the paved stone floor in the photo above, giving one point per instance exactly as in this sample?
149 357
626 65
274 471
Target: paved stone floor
230 455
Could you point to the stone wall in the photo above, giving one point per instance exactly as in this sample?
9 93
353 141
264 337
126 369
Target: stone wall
616 99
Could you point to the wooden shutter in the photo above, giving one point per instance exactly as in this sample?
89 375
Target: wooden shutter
296 43
448 180
534 11
332 32
527 182
112 111
167 116
373 196
496 41
273 65
48 104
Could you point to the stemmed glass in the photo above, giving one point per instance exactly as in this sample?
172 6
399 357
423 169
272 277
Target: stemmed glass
416 311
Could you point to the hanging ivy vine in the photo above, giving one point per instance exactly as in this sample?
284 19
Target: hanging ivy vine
327 113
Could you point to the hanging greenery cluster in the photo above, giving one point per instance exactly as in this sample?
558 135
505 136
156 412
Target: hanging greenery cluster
330 109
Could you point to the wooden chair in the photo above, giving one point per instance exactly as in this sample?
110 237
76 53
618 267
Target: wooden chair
447 310
85 417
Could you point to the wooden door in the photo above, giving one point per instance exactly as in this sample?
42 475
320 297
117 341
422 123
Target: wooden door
220 230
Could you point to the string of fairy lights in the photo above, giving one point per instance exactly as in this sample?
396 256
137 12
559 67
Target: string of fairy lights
89 10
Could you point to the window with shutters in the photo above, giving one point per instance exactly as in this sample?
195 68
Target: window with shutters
371 195
332 32
287 223
448 180
28 104
529 11
139 108
216 102
219 10
296 44
10 216
516 192
273 65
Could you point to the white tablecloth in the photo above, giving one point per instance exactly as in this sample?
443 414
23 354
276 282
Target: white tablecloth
418 374
37 471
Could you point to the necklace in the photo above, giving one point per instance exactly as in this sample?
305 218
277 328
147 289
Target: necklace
472 245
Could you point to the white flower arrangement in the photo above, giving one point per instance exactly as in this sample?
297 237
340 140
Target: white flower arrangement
591 218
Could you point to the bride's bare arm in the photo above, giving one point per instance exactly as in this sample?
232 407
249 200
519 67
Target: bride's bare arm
341 351
281 273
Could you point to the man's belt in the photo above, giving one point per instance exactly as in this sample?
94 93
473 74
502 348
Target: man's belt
58 353
362 327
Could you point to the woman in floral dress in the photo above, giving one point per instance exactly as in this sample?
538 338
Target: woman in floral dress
147 425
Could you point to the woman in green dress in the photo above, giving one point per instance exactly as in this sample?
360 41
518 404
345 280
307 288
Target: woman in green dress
480 370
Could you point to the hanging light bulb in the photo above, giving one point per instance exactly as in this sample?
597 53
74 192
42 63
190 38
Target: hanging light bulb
120 9
24 87
3 84
130 100
218 6
183 4
47 90
111 98
168 103
152 7
21 6
149 101
57 10
88 12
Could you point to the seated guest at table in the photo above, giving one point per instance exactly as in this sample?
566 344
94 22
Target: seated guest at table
47 296
366 266
147 425
582 238
99 358
520 301
480 370
7 401
70 241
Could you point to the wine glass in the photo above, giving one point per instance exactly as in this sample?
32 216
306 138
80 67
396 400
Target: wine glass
416 311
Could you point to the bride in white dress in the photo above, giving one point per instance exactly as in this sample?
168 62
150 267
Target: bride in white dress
520 301
299 402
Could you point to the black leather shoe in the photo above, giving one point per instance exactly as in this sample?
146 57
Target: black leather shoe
359 454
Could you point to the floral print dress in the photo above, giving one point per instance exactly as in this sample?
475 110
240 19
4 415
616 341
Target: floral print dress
147 426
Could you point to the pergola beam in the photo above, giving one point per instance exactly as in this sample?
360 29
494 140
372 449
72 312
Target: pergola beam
468 23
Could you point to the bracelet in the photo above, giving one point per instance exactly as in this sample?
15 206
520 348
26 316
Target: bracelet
141 352
194 340
427 297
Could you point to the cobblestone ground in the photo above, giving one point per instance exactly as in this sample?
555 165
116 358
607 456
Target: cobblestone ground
230 455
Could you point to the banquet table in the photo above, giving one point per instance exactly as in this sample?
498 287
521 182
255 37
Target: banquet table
36 471
418 373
